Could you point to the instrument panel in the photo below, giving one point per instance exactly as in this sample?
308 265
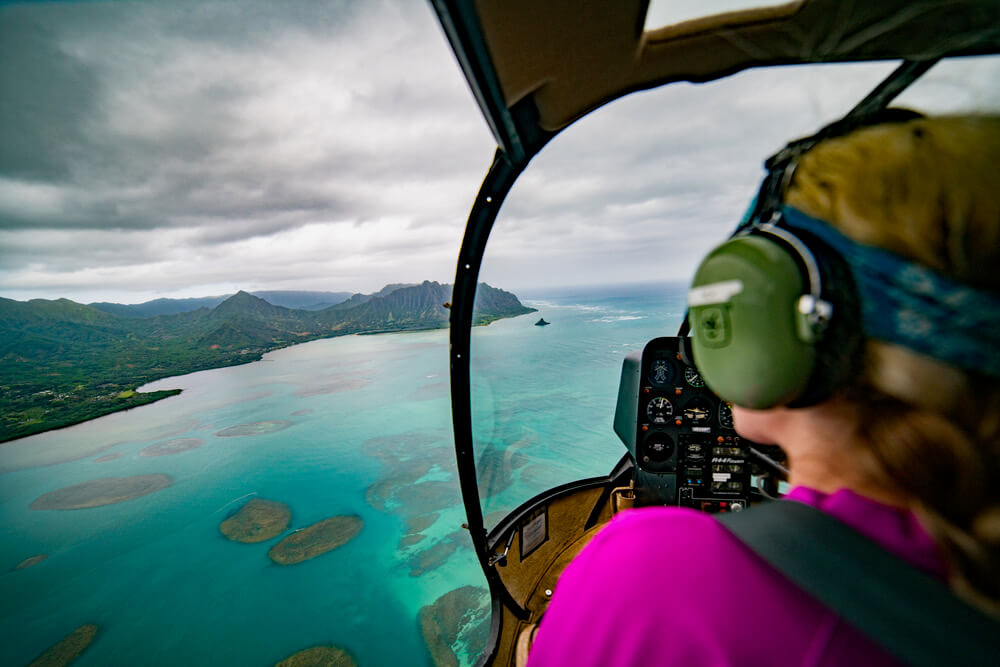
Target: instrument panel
680 434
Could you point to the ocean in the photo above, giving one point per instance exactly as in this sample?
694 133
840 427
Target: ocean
356 425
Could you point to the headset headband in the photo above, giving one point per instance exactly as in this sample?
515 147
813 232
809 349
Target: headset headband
766 206
908 304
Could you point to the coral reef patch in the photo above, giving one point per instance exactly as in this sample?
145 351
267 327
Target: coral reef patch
68 649
461 616
171 447
257 521
315 540
30 562
254 428
319 656
103 491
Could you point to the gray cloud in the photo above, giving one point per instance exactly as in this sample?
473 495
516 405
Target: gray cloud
189 148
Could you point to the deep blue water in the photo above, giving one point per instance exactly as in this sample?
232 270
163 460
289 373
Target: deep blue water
369 433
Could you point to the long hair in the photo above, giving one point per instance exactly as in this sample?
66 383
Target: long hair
928 190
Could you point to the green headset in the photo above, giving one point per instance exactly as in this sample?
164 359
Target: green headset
774 319
774 314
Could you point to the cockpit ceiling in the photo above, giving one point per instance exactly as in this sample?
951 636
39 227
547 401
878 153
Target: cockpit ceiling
572 56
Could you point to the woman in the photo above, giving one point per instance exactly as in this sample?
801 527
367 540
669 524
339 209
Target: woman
906 450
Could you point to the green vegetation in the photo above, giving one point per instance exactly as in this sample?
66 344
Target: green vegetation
63 363
316 540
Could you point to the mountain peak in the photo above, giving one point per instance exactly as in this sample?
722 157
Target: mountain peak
244 302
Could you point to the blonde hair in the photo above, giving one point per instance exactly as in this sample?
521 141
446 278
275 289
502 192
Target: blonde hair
928 190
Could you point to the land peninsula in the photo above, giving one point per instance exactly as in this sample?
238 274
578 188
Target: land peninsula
62 363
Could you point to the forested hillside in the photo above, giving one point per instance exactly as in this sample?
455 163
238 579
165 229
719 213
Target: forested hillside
63 362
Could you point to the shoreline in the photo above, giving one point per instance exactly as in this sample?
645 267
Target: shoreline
145 398
252 358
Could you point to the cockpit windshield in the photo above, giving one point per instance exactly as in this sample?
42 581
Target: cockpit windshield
601 235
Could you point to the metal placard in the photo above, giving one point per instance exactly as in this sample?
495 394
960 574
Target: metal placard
534 532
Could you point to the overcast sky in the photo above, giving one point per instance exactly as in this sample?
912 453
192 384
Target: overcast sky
191 148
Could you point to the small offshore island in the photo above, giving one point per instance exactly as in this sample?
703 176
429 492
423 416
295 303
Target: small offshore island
257 521
319 656
68 649
316 540
71 362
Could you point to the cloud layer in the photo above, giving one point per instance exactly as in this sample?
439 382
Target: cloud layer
193 148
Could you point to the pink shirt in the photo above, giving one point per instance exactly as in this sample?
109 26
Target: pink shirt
670 586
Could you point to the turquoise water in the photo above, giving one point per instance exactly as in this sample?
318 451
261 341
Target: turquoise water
549 393
366 432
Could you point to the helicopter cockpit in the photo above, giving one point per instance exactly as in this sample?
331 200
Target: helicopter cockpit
534 410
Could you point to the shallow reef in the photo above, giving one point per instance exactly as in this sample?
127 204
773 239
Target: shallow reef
461 616
430 392
419 524
381 494
171 447
334 385
30 562
391 449
103 491
254 428
435 555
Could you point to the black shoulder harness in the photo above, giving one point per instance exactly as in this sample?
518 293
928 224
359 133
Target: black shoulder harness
915 617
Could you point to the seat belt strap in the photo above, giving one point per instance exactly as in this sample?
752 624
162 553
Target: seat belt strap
915 617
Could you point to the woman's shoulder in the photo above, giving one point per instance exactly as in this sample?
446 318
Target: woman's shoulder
660 580
665 530
669 553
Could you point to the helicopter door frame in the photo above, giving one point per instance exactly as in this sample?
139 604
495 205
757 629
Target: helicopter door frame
499 180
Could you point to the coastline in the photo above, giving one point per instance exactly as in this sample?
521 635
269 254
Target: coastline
140 398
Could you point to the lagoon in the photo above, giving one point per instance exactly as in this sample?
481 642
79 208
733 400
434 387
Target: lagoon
356 426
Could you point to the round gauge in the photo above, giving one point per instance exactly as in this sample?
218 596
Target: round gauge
726 414
693 377
658 447
659 410
661 372
697 412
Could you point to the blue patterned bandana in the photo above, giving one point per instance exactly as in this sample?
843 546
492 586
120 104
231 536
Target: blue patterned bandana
913 306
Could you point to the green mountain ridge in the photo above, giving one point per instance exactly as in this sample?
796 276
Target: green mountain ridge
62 362
300 299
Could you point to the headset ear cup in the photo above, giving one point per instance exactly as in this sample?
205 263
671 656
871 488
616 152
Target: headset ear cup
838 350
743 310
